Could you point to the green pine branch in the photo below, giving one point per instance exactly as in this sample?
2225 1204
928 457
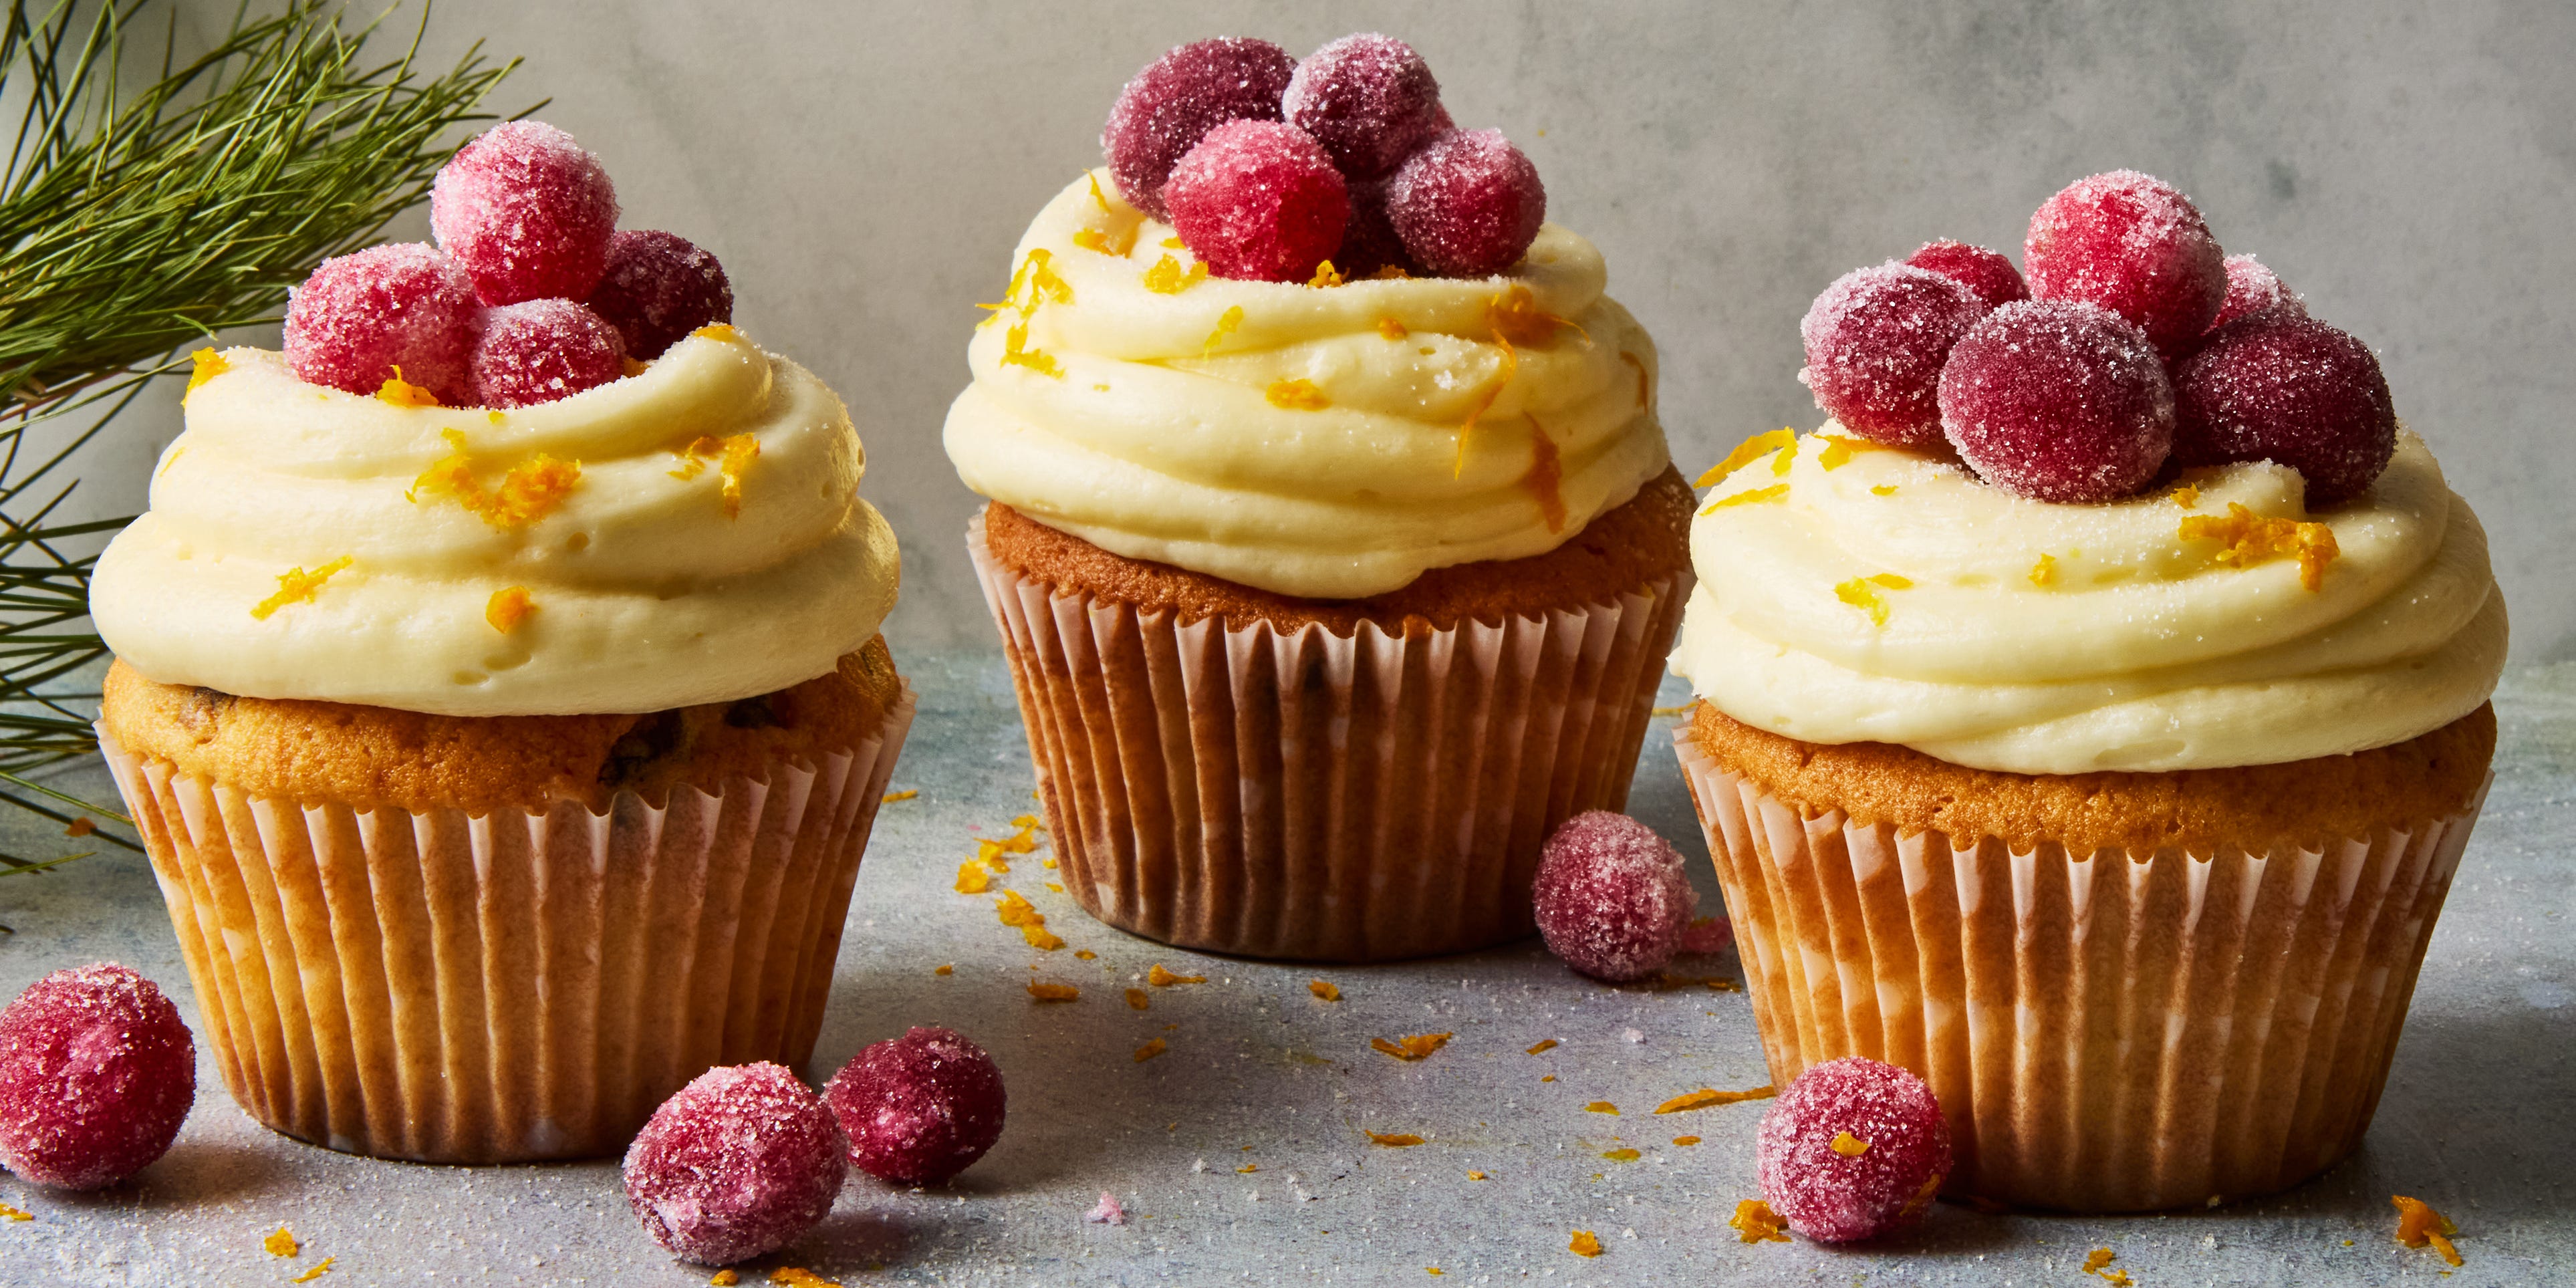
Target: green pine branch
141 216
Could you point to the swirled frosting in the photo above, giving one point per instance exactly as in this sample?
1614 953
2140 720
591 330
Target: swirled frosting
1304 441
1877 595
479 579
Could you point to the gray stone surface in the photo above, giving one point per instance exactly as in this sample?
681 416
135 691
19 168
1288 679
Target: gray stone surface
2479 1116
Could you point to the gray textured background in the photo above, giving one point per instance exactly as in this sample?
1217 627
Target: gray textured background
863 170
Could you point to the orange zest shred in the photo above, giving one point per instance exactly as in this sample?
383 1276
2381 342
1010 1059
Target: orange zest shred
1413 1048
1297 395
1045 992
2098 1258
1173 243
1015 910
725 1279
296 586
1707 1096
1517 319
1883 489
1685 1140
800 1277
1923 1196
403 393
528 492
1747 452
1167 277
1391 329
1787 456
1227 323
1395 1140
8 1213
2419 1225
1584 1244
1477 1176
1017 353
949 969
1139 999
973 878
1100 242
2044 572
1328 992
2252 539
1839 450
1151 1049
1858 593
1325 276
281 1243
1097 195
209 364
1602 1107
1546 477
1645 382
1083 954
1544 1044
2187 496
1161 978
1754 1221
904 795
1549 1078
1892 581
1621 1155
1755 497
319 1270
1248 1167
508 607
720 331
1848 1145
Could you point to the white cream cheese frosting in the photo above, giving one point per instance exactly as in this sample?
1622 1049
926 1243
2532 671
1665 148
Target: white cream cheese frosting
303 542
1298 439
1877 595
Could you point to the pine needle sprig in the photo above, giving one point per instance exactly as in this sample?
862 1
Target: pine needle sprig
141 215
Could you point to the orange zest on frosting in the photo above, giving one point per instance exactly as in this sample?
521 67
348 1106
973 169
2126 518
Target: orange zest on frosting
1327 992
1391 329
1883 489
2044 572
1296 395
1544 1044
1584 1244
2187 496
1167 277
1546 477
1161 978
1706 1096
1325 276
1517 319
1413 1048
1848 1145
1151 1049
403 393
2419 1225
296 586
530 491
1747 452
1017 353
209 364
1045 992
508 607
1395 1140
1861 595
1788 456
721 331
1227 323
2252 539
1755 1222
1097 195
1100 242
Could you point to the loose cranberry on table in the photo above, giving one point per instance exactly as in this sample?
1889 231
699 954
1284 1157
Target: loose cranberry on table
96 1074
1611 897
542 350
1178 98
920 1108
2252 288
2058 401
2282 386
361 315
2134 245
1369 99
1875 343
1986 272
738 1163
527 212
1259 201
1468 204
1852 1150
658 288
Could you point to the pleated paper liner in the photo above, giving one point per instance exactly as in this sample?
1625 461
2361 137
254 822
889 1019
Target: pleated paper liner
458 989
1299 795
2106 1034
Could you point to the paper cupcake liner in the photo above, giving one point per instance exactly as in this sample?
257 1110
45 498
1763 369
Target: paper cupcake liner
2106 1033
1301 795
459 989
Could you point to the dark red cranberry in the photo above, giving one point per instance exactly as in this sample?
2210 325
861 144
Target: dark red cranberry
1876 340
1369 99
658 288
919 1108
1610 897
2058 400
1178 98
2252 288
1986 272
1468 204
2281 386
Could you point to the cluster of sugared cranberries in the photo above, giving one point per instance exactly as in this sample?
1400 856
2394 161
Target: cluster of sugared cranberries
2135 342
1611 898
1267 167
532 293
96 1074
919 1108
1852 1150
738 1163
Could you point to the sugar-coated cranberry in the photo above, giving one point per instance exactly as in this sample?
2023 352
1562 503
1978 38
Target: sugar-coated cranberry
1369 99
1611 897
1983 271
740 1162
2252 288
658 288
542 350
1468 204
1876 340
96 1074
2282 386
2134 245
919 1108
2058 400
1369 242
527 212
1178 98
1852 1150
361 315
1259 201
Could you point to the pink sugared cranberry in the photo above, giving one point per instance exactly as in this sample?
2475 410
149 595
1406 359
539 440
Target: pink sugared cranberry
1610 896
1983 271
2282 386
2134 245
2252 288
1178 98
527 212
1259 201
2058 400
659 287
739 1163
1876 340
1369 99
361 315
1852 1150
919 1108
1369 242
543 350
1468 204
96 1074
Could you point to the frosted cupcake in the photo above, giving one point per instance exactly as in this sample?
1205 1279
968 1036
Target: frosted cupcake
504 727
1333 538
2093 712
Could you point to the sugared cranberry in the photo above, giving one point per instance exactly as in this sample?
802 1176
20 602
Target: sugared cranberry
2134 245
659 287
1178 98
2252 288
363 314
2058 400
2282 386
1610 896
1876 340
96 1074
919 1108
1468 204
1986 272
1369 99
1259 201
1369 242
1852 1150
739 1163
543 350
527 212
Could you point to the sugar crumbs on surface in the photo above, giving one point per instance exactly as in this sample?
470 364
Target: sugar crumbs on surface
1395 1140
2419 1225
1108 1211
1154 1048
1754 1222
2250 539
1412 1048
1584 1244
296 586
1707 1096
1161 978
1327 992
1296 395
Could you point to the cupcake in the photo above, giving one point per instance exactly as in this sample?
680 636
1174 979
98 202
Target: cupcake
498 689
2092 713
1332 535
